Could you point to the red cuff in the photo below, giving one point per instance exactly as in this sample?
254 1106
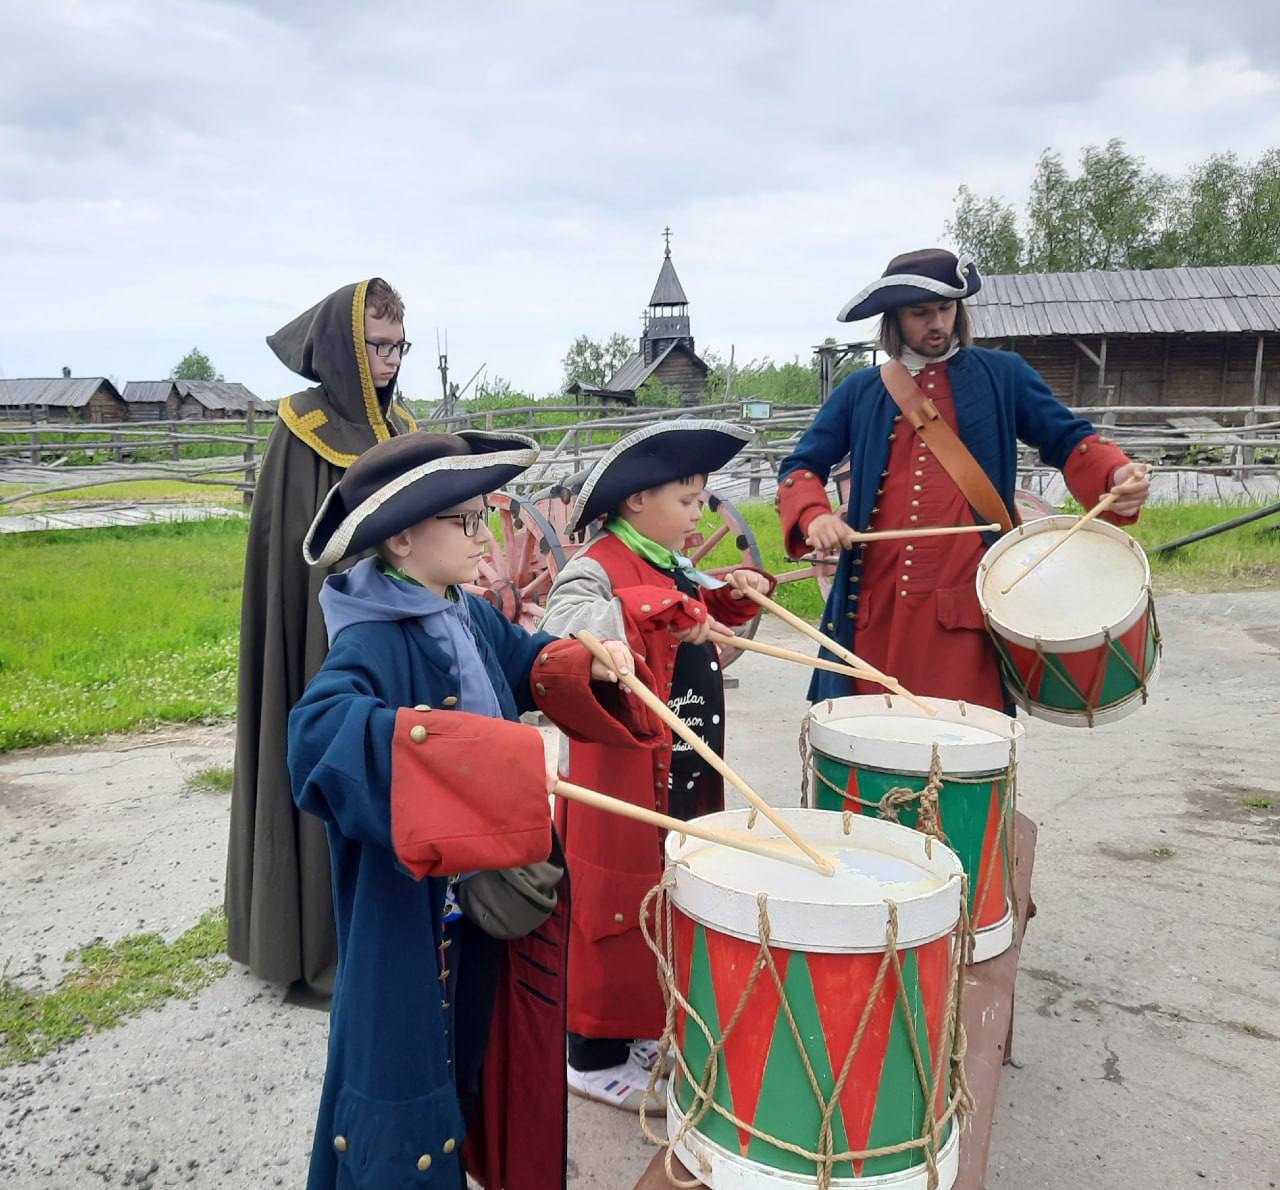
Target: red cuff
730 611
802 497
467 793
591 712
1088 471
660 607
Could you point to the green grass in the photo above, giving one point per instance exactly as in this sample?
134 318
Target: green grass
112 629
1238 560
217 778
1256 803
131 491
110 984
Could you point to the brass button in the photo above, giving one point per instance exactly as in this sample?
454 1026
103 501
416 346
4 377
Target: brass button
853 599
913 517
697 611
910 549
907 562
450 1145
897 418
915 487
451 701
915 503
1084 446
920 474
644 607
340 1143
884 475
902 593
424 1162
893 437
666 603
879 491
931 386
418 734
422 706
541 689
545 658
874 509
906 578
618 918
788 482
661 765
850 615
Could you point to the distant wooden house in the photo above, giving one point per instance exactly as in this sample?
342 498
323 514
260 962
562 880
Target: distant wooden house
1169 337
173 400
606 396
64 398
666 350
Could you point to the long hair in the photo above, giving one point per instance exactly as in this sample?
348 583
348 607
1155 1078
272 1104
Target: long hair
889 336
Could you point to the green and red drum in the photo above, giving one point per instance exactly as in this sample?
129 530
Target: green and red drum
1077 638
789 1006
952 775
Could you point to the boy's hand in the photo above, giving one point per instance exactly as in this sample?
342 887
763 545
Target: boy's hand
1131 483
553 777
622 662
743 580
829 532
698 634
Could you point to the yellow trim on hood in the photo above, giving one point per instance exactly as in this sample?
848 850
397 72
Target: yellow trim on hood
303 427
377 423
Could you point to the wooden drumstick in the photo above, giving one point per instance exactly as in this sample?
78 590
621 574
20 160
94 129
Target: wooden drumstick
690 737
931 531
613 805
833 646
755 646
1102 505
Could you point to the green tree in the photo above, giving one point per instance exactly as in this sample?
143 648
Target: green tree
1122 207
195 365
1053 218
589 361
987 229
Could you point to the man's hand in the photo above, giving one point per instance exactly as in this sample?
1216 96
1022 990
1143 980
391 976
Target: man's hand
829 532
553 777
1131 483
622 662
742 581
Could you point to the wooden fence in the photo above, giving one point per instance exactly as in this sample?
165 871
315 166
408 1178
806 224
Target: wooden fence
1240 440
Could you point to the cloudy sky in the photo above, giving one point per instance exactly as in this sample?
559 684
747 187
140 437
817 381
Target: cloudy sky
179 173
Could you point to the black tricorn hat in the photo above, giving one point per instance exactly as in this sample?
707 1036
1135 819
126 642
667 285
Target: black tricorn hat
927 275
406 479
648 458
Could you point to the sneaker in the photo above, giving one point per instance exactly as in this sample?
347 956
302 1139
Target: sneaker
644 1054
623 1087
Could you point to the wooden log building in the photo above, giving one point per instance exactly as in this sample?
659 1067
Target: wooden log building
1194 336
64 398
666 350
175 400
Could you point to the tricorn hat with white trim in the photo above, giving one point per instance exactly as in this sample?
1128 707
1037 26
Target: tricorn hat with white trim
406 479
648 458
928 275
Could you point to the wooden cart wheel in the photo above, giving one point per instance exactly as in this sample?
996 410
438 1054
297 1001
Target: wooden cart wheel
523 562
732 527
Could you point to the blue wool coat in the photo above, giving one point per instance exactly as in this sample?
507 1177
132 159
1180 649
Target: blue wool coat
999 400
388 1085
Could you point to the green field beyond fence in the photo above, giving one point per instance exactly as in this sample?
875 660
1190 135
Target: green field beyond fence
114 629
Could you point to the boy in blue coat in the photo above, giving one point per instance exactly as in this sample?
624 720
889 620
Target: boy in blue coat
406 744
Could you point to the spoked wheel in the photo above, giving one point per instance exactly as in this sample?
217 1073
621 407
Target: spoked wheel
523 562
732 528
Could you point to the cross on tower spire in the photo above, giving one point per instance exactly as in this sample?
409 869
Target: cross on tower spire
666 235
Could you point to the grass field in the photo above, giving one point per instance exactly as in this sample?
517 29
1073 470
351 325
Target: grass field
108 630
139 491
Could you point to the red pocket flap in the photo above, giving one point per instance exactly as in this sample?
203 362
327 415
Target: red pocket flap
605 901
958 607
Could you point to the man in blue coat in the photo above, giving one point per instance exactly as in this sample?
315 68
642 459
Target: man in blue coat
910 608
435 800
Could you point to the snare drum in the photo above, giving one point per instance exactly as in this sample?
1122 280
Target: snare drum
952 774
1077 638
788 974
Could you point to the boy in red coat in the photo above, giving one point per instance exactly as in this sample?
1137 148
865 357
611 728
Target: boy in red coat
631 583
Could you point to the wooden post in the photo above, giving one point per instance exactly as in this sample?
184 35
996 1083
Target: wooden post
1105 396
35 447
1245 454
250 453
173 441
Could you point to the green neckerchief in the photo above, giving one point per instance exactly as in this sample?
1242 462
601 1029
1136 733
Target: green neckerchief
450 593
656 554
653 553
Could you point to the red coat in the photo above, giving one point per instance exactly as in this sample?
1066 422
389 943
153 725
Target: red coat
915 603
613 861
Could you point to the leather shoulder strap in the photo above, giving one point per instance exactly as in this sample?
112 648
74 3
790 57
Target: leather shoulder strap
969 477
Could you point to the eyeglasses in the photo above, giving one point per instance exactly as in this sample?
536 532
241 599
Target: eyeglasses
383 350
470 521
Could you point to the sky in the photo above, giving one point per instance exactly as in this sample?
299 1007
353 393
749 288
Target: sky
177 173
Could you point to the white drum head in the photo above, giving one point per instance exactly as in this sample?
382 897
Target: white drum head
1096 582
